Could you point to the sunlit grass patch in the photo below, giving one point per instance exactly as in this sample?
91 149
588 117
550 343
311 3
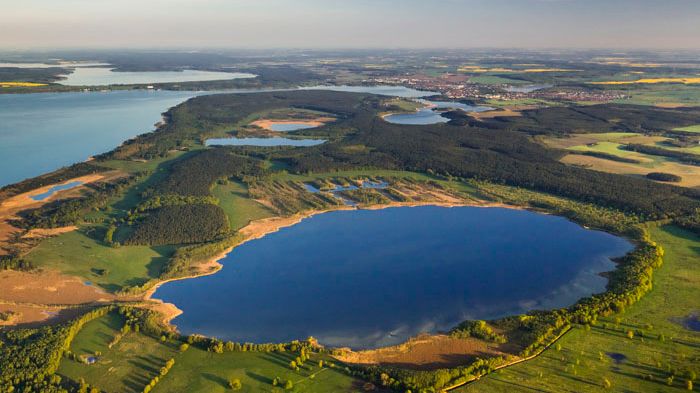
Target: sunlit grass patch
21 84
684 80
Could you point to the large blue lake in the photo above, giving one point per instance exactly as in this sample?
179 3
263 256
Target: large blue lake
42 132
372 278
45 131
94 76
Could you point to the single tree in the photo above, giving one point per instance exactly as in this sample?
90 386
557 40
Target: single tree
235 384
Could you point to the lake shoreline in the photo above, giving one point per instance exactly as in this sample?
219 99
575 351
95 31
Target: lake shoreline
258 229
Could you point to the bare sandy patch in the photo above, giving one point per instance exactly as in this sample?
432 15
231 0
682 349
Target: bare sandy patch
47 288
267 124
425 352
34 315
41 233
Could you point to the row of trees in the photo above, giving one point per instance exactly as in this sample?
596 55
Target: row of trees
14 262
687 158
163 372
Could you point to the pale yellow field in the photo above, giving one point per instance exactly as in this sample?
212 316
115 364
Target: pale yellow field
478 69
687 81
689 173
587 139
21 84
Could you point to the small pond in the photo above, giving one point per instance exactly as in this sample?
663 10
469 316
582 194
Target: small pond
432 112
55 189
368 278
289 126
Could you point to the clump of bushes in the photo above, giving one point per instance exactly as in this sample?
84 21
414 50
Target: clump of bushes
477 329
661 176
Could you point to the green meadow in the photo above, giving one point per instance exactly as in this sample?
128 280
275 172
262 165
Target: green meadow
197 370
111 268
126 367
695 128
239 208
135 358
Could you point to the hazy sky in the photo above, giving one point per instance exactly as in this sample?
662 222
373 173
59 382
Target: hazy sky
29 24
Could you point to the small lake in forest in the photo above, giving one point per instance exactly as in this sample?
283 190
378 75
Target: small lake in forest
55 189
368 278
432 112
289 126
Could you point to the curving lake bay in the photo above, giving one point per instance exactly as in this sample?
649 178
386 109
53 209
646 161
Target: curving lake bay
42 132
369 278
100 76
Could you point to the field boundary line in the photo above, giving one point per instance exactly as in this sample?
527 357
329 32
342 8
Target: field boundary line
474 379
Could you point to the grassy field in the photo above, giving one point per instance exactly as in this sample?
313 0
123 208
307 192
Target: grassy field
695 128
695 149
239 208
199 371
661 346
401 105
612 143
111 268
131 363
663 94
612 148
126 367
684 80
690 174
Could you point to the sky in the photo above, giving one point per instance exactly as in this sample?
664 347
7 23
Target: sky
624 24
